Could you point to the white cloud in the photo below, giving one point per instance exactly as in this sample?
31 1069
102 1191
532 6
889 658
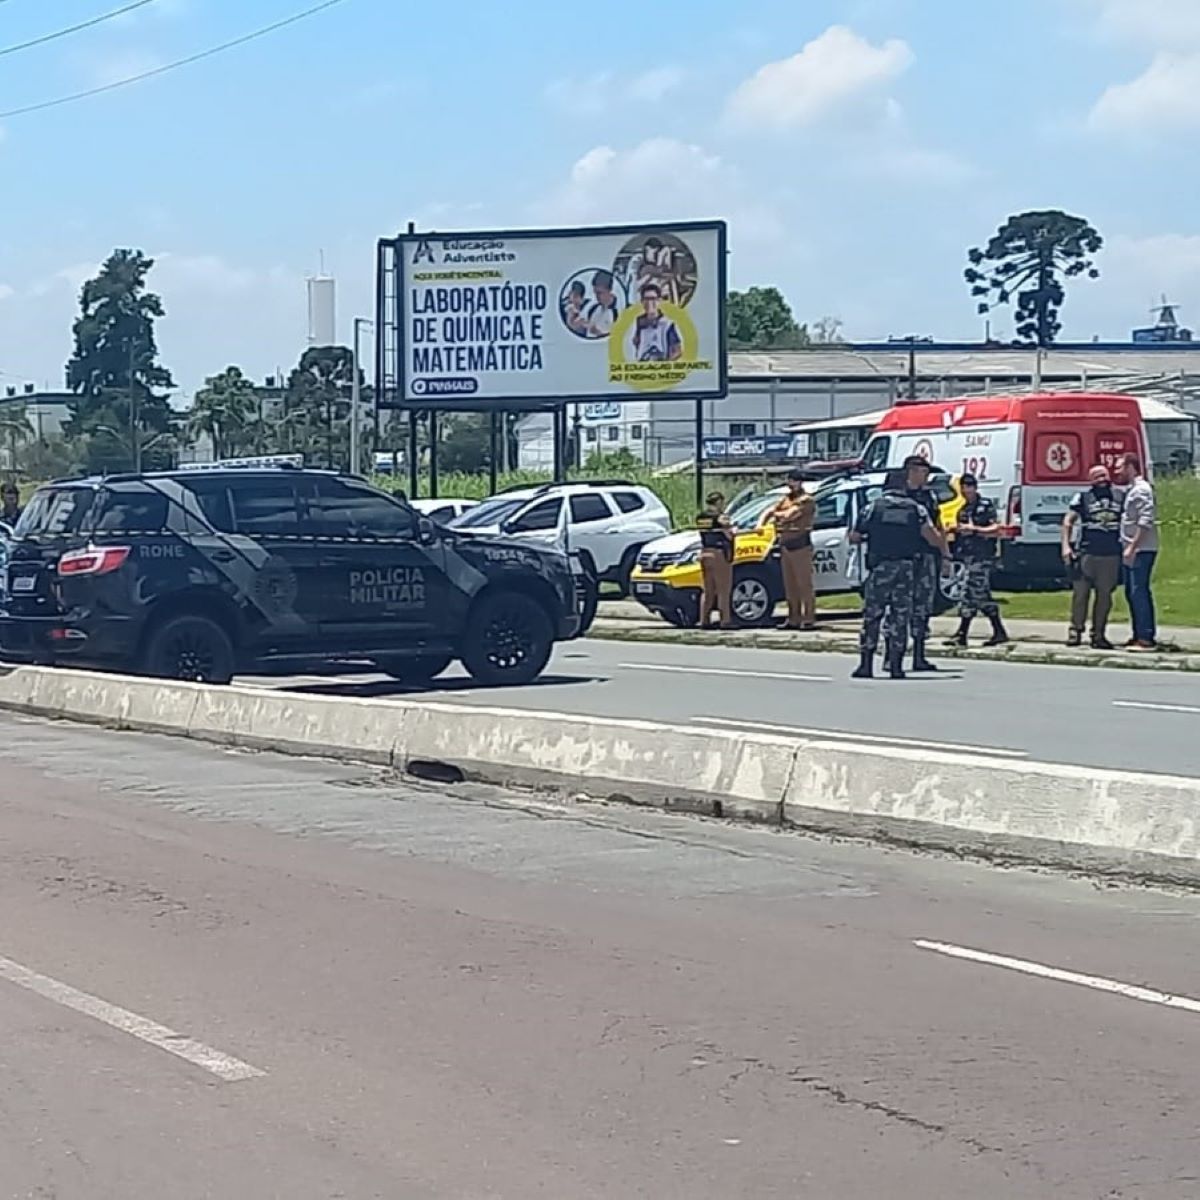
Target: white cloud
201 273
1166 97
656 84
830 73
1136 272
661 179
602 92
1160 23
6 291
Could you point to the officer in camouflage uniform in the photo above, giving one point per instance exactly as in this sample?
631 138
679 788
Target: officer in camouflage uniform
978 527
896 530
927 568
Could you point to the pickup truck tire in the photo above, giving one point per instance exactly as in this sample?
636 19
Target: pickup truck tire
508 641
189 648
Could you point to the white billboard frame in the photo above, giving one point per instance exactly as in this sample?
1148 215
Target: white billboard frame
408 246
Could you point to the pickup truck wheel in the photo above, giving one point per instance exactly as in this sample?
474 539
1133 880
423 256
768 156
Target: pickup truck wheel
418 671
509 640
191 649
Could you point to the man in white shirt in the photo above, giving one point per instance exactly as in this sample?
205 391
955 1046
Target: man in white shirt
1139 551
602 313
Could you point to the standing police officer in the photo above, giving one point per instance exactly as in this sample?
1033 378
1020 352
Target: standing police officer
978 527
897 530
716 561
927 569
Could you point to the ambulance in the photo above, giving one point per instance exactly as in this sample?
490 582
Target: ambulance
1031 454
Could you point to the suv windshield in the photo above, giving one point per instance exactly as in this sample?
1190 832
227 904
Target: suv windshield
56 510
750 513
491 512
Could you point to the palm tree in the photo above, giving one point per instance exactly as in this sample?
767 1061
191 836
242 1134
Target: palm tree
223 409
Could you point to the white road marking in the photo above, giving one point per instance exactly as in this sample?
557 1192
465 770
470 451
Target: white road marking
841 735
1170 708
221 1065
725 671
1130 991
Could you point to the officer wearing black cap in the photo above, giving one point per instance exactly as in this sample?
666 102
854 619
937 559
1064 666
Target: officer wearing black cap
895 528
927 569
976 532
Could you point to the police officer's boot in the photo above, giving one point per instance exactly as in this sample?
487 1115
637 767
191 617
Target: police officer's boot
920 662
999 633
959 638
866 666
895 662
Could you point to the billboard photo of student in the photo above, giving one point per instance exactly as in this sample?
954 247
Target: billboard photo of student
656 337
662 259
589 304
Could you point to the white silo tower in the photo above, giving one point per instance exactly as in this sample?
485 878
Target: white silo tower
322 310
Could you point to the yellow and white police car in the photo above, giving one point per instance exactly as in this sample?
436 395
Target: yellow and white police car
667 578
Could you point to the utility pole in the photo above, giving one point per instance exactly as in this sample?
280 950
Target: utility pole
356 396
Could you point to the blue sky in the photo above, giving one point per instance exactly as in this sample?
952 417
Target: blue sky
857 148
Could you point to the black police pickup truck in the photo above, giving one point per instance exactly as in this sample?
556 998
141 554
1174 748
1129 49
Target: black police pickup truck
199 574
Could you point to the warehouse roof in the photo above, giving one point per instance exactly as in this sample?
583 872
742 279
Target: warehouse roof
965 362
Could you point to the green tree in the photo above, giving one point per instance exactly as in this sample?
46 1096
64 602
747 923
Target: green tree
761 319
315 421
226 409
827 332
464 443
1028 259
120 407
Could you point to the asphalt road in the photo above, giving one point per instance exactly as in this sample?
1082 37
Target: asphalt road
1118 719
241 977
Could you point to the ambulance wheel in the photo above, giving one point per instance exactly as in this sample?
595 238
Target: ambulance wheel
416 671
753 601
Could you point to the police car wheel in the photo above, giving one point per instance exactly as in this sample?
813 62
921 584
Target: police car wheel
951 586
509 640
192 649
753 603
418 670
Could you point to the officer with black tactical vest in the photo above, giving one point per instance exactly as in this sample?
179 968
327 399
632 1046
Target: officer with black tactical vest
897 530
716 562
927 568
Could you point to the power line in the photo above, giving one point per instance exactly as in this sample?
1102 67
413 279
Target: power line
62 33
173 66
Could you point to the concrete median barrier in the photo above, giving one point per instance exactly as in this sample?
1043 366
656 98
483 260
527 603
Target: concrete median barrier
1139 825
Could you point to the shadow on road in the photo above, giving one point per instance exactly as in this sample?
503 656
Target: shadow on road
376 689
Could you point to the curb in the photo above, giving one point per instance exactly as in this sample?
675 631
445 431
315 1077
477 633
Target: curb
616 630
1129 825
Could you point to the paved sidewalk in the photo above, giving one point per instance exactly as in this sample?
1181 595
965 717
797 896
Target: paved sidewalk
1033 641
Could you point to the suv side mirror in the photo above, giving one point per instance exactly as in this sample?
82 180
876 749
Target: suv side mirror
426 531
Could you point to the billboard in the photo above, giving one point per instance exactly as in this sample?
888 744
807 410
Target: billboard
544 316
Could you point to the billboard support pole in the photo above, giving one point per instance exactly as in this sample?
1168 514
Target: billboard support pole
559 447
699 455
493 447
432 417
414 463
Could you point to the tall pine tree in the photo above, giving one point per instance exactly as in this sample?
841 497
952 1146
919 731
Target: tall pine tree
120 407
